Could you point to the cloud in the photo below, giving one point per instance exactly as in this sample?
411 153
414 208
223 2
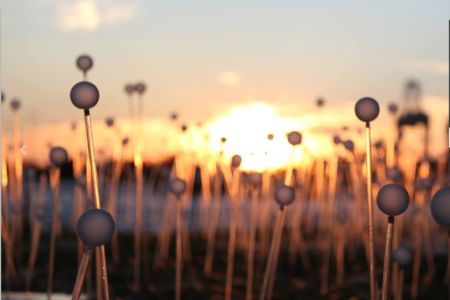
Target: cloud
89 15
434 67
228 78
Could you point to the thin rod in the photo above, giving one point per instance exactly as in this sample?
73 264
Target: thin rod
370 212
387 258
82 270
179 252
90 141
272 251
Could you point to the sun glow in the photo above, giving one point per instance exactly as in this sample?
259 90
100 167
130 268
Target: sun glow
246 129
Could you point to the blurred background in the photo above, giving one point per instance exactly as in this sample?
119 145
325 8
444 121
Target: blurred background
220 79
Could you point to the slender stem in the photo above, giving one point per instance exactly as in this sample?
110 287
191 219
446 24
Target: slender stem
387 258
273 271
370 212
270 261
230 258
90 141
54 181
82 269
251 247
179 248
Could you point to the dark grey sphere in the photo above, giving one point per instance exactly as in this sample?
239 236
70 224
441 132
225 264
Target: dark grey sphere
367 109
294 138
320 102
177 186
393 108
58 156
392 199
125 141
403 256
95 227
84 63
140 88
109 121
84 95
284 195
337 139
349 145
15 104
129 89
236 161
173 116
440 207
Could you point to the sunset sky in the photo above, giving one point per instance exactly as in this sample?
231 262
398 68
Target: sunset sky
204 57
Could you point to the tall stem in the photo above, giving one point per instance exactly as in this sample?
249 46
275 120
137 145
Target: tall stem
370 212
387 258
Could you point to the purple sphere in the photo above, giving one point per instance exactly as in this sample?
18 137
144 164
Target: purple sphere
284 195
129 89
140 88
367 109
15 104
84 63
403 256
177 186
109 121
84 95
95 227
440 207
294 138
393 199
58 156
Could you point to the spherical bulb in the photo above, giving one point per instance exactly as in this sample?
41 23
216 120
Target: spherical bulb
236 161
393 108
284 195
173 116
58 156
140 88
394 173
392 199
109 121
15 104
125 141
223 140
84 63
177 186
367 109
403 256
270 136
129 89
3 96
84 95
294 138
320 102
255 178
440 207
336 139
348 144
95 227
